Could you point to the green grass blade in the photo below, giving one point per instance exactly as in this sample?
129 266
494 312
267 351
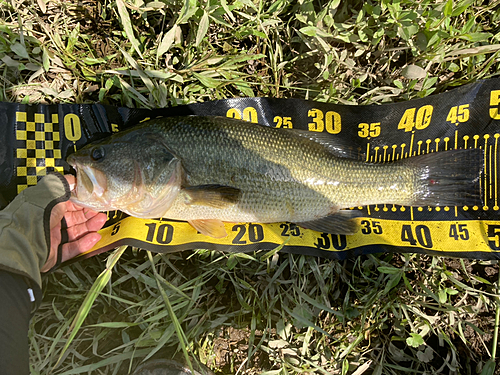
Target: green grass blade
127 26
202 28
167 41
93 293
178 329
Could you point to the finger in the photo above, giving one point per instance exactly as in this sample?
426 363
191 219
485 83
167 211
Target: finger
80 216
92 225
57 214
76 217
97 221
80 246
59 211
73 214
71 206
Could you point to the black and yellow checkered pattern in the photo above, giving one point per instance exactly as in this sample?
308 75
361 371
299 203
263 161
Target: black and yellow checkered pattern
38 148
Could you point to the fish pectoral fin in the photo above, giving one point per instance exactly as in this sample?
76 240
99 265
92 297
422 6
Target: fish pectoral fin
212 227
218 196
341 222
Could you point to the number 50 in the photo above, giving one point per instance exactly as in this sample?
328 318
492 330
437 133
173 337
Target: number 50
495 101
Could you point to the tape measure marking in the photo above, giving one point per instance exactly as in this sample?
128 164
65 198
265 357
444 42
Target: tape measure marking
488 182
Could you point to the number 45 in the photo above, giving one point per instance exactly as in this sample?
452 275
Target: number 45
458 114
459 231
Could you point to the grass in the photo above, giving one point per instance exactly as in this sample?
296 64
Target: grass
257 313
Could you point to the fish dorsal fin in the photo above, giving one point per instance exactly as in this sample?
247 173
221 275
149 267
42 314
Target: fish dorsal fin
338 147
212 227
218 196
341 222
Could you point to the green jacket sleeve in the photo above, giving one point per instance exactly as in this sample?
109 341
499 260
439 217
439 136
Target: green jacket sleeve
25 227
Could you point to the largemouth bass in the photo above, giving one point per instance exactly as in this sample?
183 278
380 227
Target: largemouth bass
210 170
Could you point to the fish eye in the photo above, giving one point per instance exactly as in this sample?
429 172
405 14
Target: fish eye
97 154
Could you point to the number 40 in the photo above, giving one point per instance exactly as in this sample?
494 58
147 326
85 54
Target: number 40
416 119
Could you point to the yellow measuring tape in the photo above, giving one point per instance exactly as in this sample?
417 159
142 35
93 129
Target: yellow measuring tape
449 238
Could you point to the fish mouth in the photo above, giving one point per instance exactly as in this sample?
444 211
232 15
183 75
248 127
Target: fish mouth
90 183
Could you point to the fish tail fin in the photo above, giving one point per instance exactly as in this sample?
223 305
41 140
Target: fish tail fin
449 178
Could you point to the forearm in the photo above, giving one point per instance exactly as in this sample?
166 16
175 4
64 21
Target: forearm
25 228
15 313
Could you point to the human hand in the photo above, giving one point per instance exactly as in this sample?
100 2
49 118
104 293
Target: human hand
82 226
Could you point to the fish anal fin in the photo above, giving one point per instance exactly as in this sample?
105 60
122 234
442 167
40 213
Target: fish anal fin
211 227
341 222
218 196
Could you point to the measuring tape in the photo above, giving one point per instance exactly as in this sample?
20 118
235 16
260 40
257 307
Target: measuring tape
473 238
37 140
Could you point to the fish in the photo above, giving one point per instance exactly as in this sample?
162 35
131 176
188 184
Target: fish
208 170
